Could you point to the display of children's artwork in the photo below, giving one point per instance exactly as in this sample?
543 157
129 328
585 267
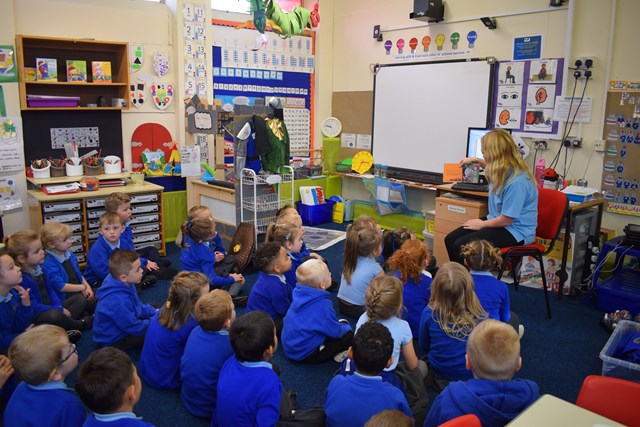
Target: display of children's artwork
509 96
543 71
9 194
136 57
76 71
161 63
138 94
7 65
162 95
511 73
101 71
47 69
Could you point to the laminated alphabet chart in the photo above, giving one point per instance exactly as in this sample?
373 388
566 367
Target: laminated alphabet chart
195 53
525 95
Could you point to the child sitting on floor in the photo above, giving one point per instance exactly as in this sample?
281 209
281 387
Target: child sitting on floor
493 355
97 267
16 311
290 237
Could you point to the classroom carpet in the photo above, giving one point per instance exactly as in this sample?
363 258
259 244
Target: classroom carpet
556 353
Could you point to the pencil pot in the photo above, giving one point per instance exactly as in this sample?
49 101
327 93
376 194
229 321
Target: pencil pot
73 166
58 170
44 172
112 165
92 166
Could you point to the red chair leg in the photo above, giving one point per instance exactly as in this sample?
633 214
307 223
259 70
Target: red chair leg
544 285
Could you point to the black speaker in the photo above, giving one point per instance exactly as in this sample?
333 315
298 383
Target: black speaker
376 33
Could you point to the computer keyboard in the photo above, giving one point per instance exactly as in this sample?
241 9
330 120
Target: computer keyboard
470 186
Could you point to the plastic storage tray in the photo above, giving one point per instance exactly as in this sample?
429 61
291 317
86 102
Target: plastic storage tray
620 291
614 367
316 214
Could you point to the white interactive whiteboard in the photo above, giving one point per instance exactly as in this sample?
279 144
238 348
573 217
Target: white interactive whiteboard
421 112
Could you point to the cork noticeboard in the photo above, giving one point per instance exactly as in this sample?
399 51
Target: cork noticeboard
355 111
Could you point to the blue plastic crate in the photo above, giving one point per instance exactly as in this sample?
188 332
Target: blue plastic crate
614 367
621 291
316 214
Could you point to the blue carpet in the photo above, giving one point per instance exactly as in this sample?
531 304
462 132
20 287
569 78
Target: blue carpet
556 353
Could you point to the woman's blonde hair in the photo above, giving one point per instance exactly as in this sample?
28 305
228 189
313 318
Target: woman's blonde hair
480 255
18 243
52 231
503 159
383 298
37 352
409 260
453 301
186 287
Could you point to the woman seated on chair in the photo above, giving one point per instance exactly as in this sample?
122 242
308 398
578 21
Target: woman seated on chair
513 198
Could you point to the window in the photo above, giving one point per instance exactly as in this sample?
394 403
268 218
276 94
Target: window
238 6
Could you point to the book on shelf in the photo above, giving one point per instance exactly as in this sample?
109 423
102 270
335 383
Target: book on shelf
72 187
101 71
46 69
112 183
76 70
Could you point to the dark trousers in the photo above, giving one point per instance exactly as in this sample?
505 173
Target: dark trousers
331 348
149 252
58 318
76 303
514 321
351 310
130 342
498 237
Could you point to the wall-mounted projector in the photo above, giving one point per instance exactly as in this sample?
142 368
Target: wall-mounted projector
427 10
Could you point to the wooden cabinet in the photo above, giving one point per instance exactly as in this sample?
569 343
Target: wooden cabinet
28 48
452 211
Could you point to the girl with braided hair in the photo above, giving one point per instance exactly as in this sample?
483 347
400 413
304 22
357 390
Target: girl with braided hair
169 330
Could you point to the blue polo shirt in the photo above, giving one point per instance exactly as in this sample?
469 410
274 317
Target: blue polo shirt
518 199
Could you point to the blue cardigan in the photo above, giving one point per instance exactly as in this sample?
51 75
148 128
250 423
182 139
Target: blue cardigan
56 273
161 353
200 366
311 319
14 319
199 257
119 313
270 293
248 395
48 404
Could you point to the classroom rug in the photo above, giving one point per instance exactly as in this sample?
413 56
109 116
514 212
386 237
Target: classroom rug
318 239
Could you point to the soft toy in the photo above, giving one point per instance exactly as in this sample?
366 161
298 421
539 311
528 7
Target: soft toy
267 13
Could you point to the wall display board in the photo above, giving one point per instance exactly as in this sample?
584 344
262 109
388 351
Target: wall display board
621 161
249 66
421 112
525 96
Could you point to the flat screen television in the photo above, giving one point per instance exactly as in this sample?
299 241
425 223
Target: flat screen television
474 136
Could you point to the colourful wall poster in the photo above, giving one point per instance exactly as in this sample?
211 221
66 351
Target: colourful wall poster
527 47
7 64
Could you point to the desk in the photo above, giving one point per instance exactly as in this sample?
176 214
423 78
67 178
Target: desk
549 411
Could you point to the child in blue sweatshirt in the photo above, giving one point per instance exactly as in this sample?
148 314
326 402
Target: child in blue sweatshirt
97 268
208 347
270 293
16 311
290 237
249 390
169 330
121 320
493 355
109 386
311 332
196 255
43 357
352 399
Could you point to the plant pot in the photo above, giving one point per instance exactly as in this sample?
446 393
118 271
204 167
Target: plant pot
43 173
75 167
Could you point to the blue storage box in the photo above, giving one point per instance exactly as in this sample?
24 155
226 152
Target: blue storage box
621 291
614 367
316 214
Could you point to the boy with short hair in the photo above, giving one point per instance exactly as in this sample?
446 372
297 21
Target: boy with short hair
43 357
311 332
109 385
249 390
121 320
352 399
97 268
270 293
493 354
208 347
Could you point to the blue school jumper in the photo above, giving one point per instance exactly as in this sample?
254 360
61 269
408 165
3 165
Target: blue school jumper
290 276
161 353
216 245
200 366
126 242
311 319
351 400
48 404
36 297
56 274
496 403
415 297
445 354
97 267
121 419
493 295
199 257
248 395
270 293
14 318
119 313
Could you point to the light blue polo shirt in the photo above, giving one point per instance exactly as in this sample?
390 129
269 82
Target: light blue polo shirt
518 199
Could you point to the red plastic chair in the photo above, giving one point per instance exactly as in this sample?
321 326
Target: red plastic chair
469 420
552 208
613 398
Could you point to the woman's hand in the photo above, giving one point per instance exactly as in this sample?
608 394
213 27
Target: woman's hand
467 161
474 224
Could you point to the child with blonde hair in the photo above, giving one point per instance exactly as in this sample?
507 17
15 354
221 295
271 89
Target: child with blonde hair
169 330
447 321
481 257
111 228
311 331
26 249
43 357
409 263
359 266
196 255
493 355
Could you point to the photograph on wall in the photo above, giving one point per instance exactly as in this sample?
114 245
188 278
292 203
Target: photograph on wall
511 73
543 71
509 96
541 96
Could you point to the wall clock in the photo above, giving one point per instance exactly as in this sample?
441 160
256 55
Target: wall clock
331 127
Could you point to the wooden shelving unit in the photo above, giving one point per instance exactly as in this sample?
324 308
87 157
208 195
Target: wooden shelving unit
28 48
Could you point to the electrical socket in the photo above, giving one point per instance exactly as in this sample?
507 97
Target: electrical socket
598 145
540 145
583 67
576 142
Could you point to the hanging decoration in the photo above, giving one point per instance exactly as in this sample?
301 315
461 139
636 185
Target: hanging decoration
162 94
161 63
136 57
138 93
